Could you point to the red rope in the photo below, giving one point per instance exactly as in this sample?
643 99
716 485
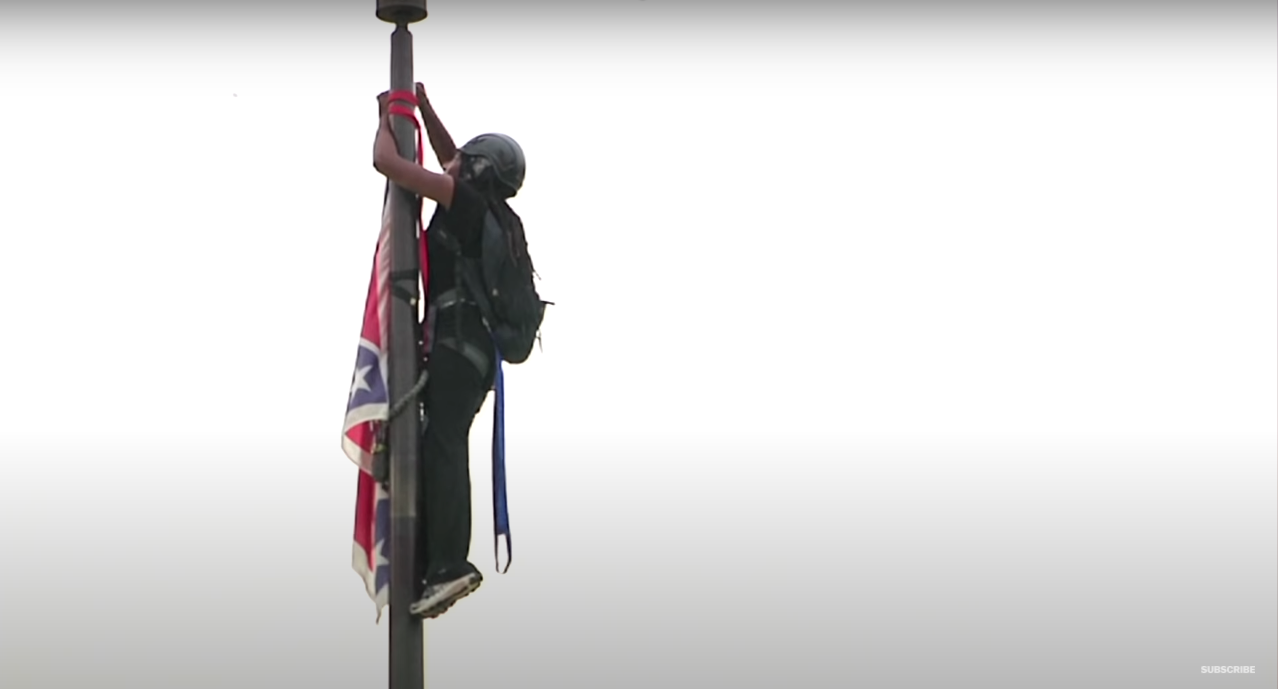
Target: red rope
409 111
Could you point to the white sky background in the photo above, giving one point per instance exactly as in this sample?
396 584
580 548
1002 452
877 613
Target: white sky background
970 205
766 244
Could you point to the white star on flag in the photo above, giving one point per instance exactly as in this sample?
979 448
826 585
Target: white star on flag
361 380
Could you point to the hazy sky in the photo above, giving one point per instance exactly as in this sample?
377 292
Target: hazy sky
900 348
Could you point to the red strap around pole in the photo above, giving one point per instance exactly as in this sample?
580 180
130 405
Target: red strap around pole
398 97
409 111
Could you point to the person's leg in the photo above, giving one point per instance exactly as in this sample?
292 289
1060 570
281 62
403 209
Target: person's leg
455 392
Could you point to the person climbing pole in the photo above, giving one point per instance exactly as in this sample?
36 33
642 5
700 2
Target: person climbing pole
462 360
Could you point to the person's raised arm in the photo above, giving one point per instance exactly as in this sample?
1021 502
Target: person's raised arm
440 141
407 173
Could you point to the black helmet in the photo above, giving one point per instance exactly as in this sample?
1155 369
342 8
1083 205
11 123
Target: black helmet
505 155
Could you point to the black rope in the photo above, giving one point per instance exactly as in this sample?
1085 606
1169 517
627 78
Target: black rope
396 276
381 462
403 402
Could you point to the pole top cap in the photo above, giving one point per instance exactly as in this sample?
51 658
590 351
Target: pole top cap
401 11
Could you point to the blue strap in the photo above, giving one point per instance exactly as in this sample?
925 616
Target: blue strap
501 519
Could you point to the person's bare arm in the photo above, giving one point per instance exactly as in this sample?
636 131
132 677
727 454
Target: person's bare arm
440 141
407 173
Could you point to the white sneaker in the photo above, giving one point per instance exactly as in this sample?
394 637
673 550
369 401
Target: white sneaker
439 597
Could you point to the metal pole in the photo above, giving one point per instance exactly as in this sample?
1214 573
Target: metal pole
407 661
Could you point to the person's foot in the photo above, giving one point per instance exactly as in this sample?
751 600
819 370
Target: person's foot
441 594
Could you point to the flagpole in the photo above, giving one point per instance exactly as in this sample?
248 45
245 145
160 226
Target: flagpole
407 661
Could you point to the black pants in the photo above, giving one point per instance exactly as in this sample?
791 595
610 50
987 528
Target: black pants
455 392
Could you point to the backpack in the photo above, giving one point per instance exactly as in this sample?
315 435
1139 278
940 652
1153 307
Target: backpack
501 283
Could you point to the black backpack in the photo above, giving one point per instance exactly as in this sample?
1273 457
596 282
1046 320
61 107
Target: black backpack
501 283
